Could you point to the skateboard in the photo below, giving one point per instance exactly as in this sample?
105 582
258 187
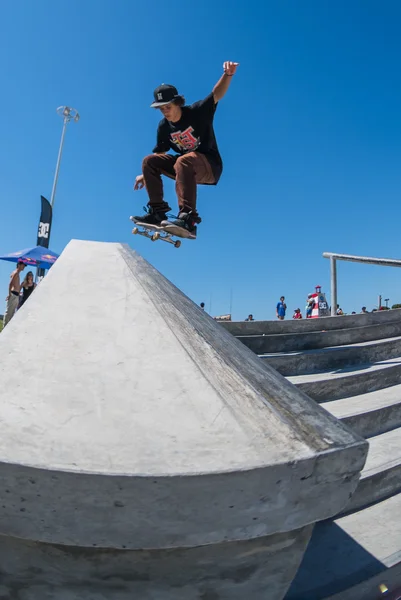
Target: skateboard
155 232
386 594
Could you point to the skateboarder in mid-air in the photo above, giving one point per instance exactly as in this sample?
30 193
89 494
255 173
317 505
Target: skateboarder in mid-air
188 131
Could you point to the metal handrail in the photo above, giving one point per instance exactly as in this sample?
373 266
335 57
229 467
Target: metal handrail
384 262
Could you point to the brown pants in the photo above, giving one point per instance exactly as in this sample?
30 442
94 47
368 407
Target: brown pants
187 170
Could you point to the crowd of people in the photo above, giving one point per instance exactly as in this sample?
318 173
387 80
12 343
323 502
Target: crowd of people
18 292
281 309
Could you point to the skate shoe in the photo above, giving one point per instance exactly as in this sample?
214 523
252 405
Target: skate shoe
184 225
151 216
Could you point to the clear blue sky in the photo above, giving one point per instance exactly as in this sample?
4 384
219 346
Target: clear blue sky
310 134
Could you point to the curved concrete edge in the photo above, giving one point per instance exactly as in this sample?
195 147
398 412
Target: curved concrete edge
311 424
131 512
237 328
257 568
111 510
334 358
292 342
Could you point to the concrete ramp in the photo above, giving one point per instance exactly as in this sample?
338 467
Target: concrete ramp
143 443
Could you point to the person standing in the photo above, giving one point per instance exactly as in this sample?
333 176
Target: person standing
27 287
281 308
14 288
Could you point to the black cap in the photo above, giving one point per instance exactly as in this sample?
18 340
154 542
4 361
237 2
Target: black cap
164 94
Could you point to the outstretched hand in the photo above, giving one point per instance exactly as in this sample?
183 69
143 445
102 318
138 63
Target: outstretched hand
230 67
139 182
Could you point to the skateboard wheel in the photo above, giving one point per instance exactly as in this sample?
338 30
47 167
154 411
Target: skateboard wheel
135 230
177 244
155 237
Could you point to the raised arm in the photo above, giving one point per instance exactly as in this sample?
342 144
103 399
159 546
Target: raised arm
223 83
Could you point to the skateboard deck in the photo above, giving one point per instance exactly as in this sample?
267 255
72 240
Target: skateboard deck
165 234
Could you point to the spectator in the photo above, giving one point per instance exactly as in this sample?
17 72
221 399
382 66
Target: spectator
297 314
202 305
353 313
27 287
364 310
281 308
250 318
310 301
14 289
339 310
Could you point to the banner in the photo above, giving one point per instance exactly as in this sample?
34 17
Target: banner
222 318
45 224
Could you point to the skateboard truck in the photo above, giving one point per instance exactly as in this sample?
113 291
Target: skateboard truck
163 236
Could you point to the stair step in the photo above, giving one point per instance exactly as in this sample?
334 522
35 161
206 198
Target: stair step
381 476
349 381
323 359
303 325
369 414
294 341
349 557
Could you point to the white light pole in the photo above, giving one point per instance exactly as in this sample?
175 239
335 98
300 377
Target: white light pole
68 114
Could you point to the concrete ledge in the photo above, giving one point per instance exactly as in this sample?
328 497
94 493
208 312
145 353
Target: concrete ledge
306 325
142 409
312 361
291 342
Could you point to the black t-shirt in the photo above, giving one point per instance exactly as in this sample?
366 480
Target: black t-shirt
26 292
192 133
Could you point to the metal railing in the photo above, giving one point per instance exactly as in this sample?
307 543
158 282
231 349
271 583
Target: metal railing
384 262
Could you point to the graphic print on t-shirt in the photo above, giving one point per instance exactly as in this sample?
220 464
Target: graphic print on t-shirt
185 139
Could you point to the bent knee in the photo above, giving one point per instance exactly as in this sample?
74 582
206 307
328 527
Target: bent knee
186 160
149 160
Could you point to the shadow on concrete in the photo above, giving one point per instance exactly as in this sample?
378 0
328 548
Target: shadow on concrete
332 563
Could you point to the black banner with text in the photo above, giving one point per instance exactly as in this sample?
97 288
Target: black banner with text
45 224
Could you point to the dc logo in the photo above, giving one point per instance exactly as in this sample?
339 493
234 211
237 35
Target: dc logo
43 230
160 96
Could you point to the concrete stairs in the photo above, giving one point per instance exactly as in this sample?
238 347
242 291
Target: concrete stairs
354 372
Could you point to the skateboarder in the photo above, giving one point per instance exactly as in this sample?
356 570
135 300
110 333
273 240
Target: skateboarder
188 131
